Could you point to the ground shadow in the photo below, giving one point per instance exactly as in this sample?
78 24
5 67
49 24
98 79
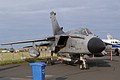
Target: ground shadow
98 63
10 67
61 78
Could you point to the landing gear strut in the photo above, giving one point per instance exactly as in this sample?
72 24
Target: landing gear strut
50 60
82 62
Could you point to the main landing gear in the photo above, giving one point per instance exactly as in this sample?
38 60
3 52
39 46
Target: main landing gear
79 59
50 60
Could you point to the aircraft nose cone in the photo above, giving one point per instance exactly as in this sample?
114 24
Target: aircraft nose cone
96 45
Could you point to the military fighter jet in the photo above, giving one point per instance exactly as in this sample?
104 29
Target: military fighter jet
72 44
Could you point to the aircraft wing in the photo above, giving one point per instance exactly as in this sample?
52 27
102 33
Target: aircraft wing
43 44
29 41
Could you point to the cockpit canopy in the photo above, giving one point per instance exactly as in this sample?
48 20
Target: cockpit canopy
81 31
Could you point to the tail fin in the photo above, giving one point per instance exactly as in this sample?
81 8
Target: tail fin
109 36
56 28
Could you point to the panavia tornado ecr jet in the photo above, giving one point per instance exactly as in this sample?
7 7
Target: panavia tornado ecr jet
72 44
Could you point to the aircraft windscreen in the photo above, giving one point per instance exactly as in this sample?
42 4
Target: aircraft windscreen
88 31
83 31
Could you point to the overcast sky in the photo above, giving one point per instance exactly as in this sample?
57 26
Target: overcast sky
30 19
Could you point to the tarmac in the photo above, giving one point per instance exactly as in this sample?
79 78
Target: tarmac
101 68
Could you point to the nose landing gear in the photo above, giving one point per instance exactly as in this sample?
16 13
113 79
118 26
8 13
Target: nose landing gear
83 63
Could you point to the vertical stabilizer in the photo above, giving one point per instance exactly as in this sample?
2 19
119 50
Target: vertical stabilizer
109 36
56 28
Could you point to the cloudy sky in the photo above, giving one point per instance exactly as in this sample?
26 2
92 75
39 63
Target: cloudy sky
29 19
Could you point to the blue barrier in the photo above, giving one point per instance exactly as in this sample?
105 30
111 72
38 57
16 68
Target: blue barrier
38 70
